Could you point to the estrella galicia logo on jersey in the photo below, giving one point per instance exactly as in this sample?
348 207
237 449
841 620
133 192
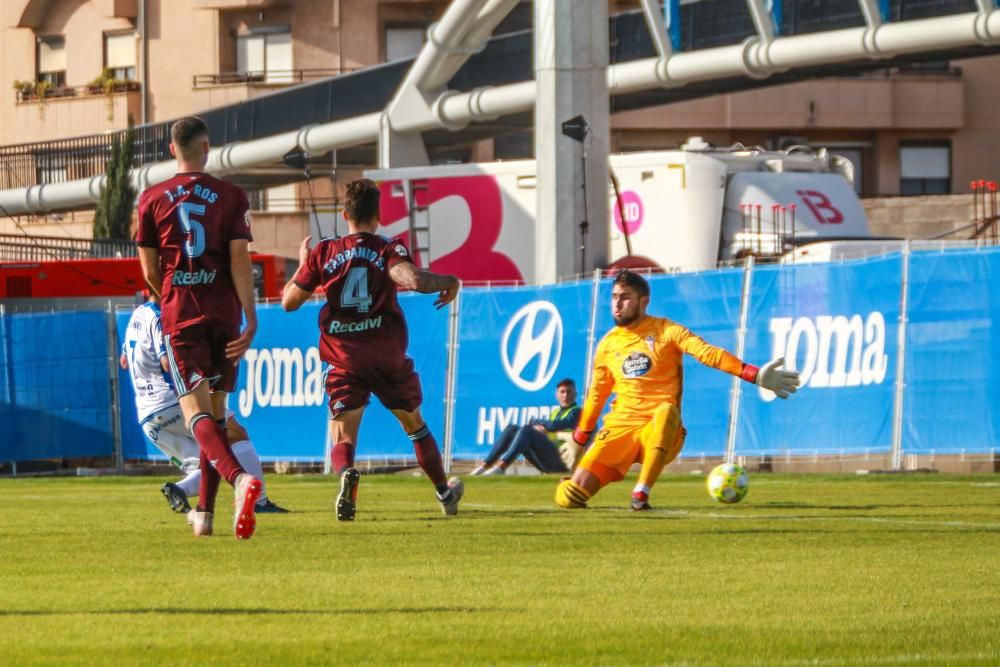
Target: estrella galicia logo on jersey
532 345
636 365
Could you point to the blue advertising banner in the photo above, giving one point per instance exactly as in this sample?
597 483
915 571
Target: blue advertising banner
515 345
837 325
54 386
952 404
708 304
280 395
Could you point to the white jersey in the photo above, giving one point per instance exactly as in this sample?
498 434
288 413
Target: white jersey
143 347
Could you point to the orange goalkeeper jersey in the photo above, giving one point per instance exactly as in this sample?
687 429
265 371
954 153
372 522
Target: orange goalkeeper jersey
641 364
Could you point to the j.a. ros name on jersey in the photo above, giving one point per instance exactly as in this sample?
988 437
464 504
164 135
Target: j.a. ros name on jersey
201 192
338 327
199 277
357 252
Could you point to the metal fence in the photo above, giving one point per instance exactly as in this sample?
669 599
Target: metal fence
14 248
61 160
876 340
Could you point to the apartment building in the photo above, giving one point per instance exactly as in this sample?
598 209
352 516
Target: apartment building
78 68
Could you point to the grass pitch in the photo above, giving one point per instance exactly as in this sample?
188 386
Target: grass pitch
809 570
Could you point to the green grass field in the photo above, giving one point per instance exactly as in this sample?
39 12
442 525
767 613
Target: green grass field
810 570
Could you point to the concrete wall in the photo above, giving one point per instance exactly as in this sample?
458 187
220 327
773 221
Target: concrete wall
919 217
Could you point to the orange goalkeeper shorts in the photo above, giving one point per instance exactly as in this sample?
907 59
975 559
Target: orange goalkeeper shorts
618 446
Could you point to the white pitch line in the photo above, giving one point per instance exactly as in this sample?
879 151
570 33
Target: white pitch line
885 659
674 513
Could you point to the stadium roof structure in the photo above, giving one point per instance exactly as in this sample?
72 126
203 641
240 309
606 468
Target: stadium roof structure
465 86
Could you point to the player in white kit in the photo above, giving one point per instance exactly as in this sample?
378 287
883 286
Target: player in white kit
144 356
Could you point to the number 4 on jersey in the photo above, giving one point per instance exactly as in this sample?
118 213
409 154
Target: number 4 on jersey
355 292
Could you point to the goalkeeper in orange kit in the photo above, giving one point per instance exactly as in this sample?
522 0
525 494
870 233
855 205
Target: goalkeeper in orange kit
639 360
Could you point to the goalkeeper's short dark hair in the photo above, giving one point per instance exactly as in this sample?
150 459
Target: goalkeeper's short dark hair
632 279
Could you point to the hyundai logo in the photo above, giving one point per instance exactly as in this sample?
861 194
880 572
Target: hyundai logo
531 357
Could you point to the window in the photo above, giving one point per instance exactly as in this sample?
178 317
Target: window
925 169
52 60
120 55
403 42
265 56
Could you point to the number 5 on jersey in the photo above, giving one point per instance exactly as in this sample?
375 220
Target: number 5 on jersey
355 292
194 246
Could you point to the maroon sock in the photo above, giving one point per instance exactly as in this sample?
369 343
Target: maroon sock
208 487
428 455
342 456
212 441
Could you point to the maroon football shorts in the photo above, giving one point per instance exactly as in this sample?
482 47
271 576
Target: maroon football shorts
396 385
198 352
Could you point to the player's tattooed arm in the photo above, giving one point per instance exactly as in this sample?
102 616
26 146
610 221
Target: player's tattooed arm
407 276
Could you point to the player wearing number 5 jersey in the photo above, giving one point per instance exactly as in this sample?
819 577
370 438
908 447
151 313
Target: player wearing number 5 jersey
193 238
363 338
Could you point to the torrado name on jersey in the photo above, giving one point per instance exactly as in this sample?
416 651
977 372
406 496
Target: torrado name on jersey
357 252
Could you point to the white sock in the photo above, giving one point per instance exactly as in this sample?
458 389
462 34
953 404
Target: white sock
247 456
189 484
641 488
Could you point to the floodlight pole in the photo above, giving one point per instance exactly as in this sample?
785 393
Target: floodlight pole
571 78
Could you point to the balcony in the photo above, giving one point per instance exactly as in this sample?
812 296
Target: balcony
215 90
43 113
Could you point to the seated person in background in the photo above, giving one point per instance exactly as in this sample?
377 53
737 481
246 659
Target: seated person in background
546 443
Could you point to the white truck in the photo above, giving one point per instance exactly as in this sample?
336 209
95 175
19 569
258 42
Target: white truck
683 210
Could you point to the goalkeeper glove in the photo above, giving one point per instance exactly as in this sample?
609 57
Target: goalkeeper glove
571 448
782 382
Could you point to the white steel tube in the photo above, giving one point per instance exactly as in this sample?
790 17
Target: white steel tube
442 38
751 58
899 393
657 27
870 10
741 339
484 103
315 139
451 380
762 21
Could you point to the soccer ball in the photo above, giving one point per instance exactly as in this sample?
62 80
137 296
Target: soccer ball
728 483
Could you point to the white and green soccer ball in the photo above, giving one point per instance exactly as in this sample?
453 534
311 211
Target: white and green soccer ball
728 483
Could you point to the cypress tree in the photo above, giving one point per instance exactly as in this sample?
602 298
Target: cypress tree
114 211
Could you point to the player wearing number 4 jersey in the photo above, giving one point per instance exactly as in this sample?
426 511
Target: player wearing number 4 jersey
193 238
363 338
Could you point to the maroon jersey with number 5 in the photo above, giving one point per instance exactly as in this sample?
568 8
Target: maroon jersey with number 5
190 219
361 318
